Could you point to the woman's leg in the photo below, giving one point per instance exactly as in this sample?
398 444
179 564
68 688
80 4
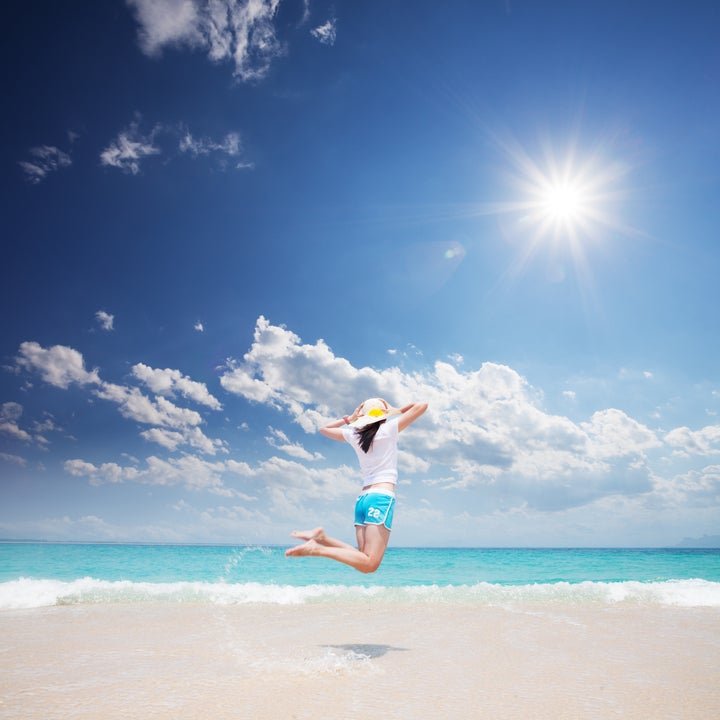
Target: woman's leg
372 542
319 536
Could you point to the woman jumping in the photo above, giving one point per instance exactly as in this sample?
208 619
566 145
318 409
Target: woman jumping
372 430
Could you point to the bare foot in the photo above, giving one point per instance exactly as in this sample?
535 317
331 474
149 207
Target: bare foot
309 548
318 535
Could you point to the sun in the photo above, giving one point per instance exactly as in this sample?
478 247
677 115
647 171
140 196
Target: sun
563 202
567 196
566 200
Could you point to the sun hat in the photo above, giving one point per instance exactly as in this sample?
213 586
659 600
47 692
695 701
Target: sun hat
373 410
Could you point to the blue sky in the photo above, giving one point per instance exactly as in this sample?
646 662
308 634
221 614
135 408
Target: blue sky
225 222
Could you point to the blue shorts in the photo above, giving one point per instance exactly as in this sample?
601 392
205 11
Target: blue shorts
375 508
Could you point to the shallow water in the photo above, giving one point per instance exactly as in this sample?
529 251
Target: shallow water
43 574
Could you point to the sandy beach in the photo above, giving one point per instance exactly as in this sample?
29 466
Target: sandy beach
345 660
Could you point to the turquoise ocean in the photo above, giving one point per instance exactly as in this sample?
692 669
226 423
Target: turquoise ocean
34 575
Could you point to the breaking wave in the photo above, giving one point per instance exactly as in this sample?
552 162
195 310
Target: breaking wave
34 593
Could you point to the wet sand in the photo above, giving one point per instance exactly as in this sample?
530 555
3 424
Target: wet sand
345 661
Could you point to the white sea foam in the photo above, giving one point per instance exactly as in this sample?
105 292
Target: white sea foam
33 593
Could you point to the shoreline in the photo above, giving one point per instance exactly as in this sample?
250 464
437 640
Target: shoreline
351 659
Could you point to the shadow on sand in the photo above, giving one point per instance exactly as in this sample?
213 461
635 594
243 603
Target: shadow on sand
370 651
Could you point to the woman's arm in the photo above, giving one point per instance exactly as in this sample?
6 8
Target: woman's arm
410 413
333 429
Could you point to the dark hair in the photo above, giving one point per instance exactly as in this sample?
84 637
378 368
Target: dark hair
367 434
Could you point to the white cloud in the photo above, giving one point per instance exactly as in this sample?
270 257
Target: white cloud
136 406
9 415
699 488
229 148
612 434
230 145
45 160
11 412
280 441
105 320
484 427
291 488
326 33
189 471
175 426
7 457
191 437
199 327
240 31
12 429
486 434
107 472
173 382
705 441
59 365
290 484
129 149
278 370
166 22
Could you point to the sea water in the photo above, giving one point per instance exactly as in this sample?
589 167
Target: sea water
45 574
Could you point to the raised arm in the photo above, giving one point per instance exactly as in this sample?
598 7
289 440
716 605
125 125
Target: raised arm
410 413
333 429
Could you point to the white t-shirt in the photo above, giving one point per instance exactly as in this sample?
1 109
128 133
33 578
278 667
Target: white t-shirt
379 463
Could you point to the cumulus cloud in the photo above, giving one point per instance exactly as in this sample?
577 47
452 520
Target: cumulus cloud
45 159
696 488
59 365
487 433
173 382
705 441
612 434
175 426
199 327
280 371
485 427
239 31
326 33
292 486
136 406
105 320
